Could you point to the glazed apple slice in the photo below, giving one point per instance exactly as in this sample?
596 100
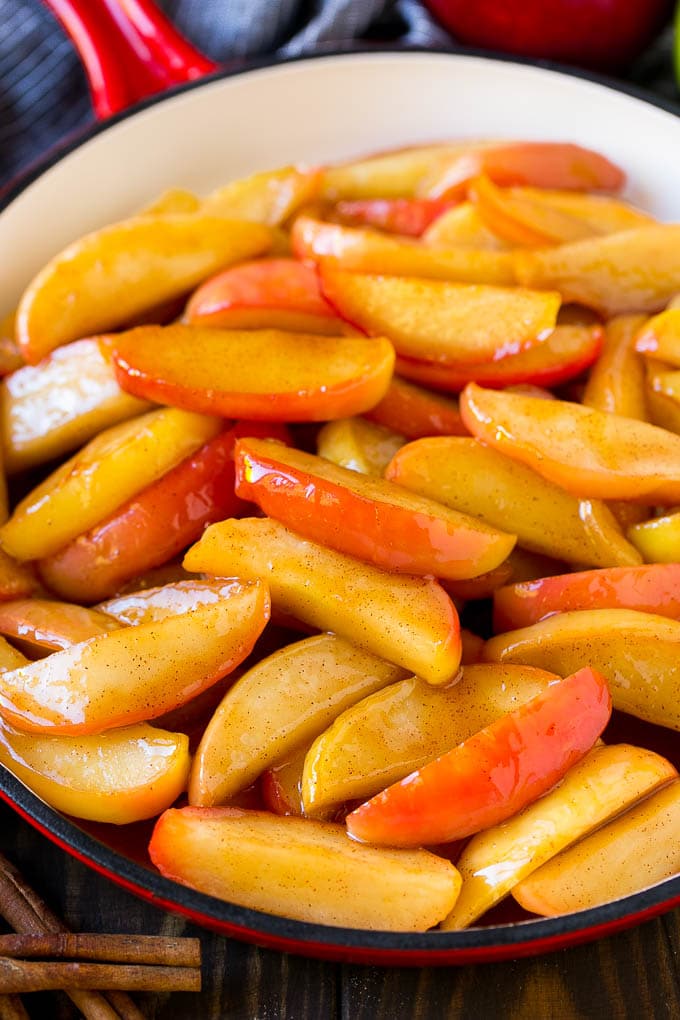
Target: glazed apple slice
660 337
389 734
396 173
602 214
372 519
590 453
631 271
118 777
358 444
306 870
369 251
265 375
17 580
124 269
268 293
477 480
463 227
658 539
415 412
58 405
523 221
135 673
637 653
10 355
636 850
539 164
281 786
153 526
564 354
296 693
606 782
407 620
617 380
407 216
114 466
148 605
440 321
45 623
270 197
652 588
492 775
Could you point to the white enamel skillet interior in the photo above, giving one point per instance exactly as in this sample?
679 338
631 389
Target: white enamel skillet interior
315 110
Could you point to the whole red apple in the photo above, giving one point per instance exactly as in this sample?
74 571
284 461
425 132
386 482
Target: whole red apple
602 34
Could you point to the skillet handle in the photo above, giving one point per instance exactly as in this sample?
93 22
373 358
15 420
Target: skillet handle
129 50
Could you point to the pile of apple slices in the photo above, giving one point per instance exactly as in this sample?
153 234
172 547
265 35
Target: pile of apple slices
240 586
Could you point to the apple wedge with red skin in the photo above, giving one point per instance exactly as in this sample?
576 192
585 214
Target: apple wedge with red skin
650 588
267 293
564 355
440 321
155 525
494 774
415 412
409 217
264 375
135 674
46 624
373 519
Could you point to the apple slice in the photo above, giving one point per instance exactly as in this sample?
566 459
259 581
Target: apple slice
153 526
134 674
601 213
539 164
152 604
522 221
372 519
415 412
270 197
118 777
660 337
564 354
658 539
369 251
632 271
478 480
636 652
58 405
607 781
10 355
44 623
481 587
124 269
653 588
409 217
391 733
439 321
268 293
463 227
295 694
392 174
492 775
636 850
281 786
590 453
359 445
114 466
617 380
407 620
265 375
306 870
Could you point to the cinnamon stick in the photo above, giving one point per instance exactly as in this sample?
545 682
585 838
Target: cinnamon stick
18 976
152 949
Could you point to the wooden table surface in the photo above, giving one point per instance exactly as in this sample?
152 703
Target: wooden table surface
633 975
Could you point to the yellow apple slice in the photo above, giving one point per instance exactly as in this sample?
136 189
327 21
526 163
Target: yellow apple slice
113 467
463 227
616 382
173 200
122 776
636 850
269 197
151 604
395 731
52 408
10 657
107 278
637 653
45 623
310 871
407 620
394 174
359 445
282 702
477 480
135 673
607 781
631 271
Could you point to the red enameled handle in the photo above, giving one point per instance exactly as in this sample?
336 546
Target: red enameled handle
129 50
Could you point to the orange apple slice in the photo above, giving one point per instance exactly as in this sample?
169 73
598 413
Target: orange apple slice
415 412
617 380
660 337
136 673
523 221
107 278
310 871
44 623
296 693
264 375
440 321
407 620
152 604
410 217
463 227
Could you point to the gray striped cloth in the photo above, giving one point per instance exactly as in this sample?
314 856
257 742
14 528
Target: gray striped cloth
43 92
